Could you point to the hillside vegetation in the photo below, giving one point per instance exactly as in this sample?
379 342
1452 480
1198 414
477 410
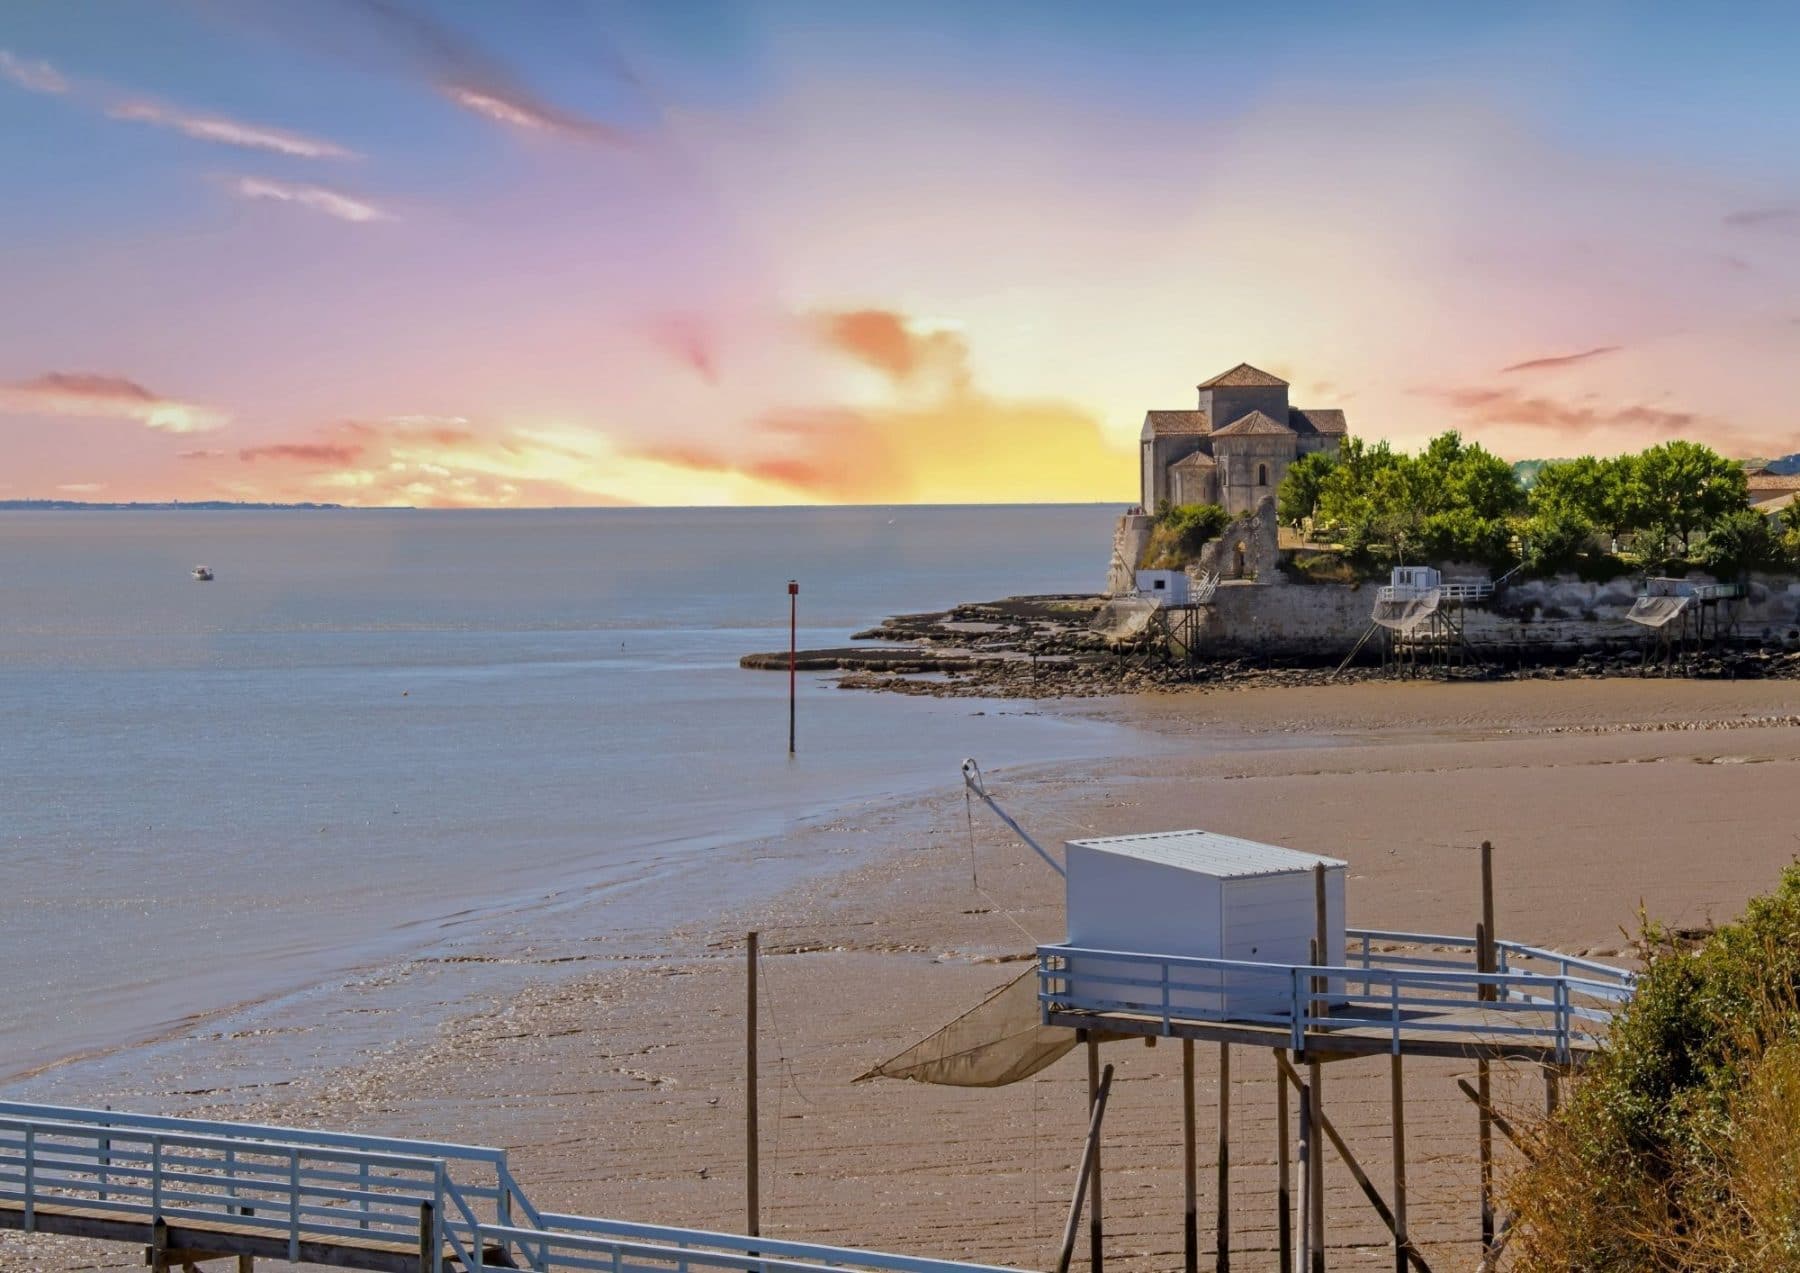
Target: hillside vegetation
1679 1148
1671 505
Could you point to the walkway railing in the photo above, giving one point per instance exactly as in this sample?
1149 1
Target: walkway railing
579 1242
298 1185
1450 590
378 1196
1404 995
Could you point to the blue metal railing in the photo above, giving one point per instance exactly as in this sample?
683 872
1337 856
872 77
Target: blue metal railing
616 1246
1403 994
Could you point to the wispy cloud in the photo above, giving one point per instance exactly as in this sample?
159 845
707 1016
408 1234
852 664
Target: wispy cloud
32 76
1784 218
105 396
338 453
81 488
318 198
1561 360
225 131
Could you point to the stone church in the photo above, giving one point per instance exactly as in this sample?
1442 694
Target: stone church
1234 449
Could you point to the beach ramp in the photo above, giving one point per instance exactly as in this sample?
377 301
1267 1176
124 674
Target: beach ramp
1001 1040
1657 612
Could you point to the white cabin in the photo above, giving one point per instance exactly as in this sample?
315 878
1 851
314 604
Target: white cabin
1202 894
1415 578
1165 587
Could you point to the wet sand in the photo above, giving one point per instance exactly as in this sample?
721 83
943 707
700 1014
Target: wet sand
615 1076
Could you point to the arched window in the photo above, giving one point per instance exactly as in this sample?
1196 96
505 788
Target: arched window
1262 474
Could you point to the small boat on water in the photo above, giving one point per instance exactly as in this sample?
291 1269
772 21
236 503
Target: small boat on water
203 574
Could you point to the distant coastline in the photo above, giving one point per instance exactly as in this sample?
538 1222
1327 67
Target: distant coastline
167 506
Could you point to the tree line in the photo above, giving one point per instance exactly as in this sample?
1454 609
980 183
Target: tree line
1671 504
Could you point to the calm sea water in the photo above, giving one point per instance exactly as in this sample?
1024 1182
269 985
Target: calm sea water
214 793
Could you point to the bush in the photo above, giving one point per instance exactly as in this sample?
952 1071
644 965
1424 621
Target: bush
1180 533
1680 1146
1739 542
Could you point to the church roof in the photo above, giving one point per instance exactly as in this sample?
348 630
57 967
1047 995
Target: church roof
1252 425
1244 376
1317 420
1174 423
1773 482
1198 460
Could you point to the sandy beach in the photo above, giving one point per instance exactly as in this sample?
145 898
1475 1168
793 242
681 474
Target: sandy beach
611 1066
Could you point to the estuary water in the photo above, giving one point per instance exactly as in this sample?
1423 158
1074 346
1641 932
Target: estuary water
215 793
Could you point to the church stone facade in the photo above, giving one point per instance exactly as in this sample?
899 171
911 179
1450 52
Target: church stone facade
1234 449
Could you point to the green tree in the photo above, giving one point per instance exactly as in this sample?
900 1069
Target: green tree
1684 487
1298 498
1741 541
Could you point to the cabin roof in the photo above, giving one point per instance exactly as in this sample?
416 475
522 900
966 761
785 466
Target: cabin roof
1209 853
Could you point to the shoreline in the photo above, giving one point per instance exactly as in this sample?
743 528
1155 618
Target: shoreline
615 1079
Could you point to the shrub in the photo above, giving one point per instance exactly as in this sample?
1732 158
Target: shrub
1741 541
1680 1146
1180 533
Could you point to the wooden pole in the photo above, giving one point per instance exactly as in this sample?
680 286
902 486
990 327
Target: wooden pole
1485 943
1552 1089
1321 942
1090 1156
1190 1163
1096 1223
752 1154
1306 1181
1316 1081
1223 1261
1396 1092
1284 1220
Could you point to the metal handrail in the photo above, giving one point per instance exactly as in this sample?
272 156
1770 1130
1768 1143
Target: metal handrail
1517 1000
579 1242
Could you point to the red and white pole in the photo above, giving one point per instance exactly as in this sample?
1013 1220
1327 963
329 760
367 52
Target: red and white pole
793 653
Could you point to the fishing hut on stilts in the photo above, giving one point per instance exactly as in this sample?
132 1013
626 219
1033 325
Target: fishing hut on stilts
1680 616
1242 947
1420 620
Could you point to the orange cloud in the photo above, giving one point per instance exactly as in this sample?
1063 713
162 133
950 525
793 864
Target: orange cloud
101 395
886 341
229 132
1561 360
1618 428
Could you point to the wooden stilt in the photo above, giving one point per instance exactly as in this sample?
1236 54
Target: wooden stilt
1396 1093
1284 1218
1552 1089
1316 1081
1189 1162
428 1238
1304 1254
1485 1150
1096 1224
1090 1152
159 1245
1223 1262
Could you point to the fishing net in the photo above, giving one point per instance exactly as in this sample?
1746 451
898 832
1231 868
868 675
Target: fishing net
1407 614
999 1041
1123 618
1656 612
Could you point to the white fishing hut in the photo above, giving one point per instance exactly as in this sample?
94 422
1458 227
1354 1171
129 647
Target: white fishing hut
1165 587
1205 895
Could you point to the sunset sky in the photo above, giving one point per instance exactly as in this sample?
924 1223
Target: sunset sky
686 252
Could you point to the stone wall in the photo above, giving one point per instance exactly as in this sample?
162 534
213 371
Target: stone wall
1131 537
1315 622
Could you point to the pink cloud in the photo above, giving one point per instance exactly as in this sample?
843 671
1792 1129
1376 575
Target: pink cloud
103 395
318 198
225 131
33 77
1561 360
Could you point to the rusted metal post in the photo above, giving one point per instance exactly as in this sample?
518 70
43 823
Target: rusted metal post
1189 1162
793 655
1096 1223
1222 1263
752 1147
